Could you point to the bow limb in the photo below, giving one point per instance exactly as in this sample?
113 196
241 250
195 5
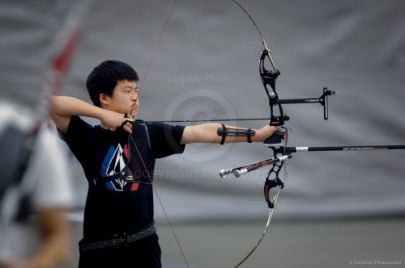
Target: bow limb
266 47
266 228
268 78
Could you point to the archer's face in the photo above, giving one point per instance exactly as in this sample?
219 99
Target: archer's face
124 98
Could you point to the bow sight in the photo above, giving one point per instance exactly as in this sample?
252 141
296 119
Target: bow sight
269 78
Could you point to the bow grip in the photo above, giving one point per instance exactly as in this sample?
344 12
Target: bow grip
276 138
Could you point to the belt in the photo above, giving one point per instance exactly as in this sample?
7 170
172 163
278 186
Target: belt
119 240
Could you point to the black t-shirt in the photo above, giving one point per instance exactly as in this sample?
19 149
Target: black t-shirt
118 205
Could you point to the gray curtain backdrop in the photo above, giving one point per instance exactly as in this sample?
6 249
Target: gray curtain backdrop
206 67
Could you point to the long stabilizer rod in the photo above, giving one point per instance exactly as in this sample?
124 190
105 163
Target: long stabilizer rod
284 153
287 150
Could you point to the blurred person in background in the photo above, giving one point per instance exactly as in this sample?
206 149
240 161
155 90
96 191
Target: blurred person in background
35 192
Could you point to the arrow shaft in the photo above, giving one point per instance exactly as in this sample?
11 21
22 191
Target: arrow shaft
210 120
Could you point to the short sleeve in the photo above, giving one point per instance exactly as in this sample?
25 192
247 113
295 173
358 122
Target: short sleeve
79 137
165 139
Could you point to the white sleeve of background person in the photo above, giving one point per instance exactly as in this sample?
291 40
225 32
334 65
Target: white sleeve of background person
50 174
47 184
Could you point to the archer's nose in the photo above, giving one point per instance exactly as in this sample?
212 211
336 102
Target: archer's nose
134 96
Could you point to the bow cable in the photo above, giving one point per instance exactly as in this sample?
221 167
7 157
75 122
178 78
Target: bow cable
149 68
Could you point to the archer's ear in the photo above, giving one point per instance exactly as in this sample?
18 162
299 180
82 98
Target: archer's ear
104 99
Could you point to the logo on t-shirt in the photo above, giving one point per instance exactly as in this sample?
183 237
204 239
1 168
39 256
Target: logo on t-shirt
114 162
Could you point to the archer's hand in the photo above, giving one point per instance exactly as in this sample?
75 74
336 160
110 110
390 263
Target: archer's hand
111 120
266 132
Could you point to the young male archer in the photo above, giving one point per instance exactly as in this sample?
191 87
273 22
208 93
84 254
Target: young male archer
118 159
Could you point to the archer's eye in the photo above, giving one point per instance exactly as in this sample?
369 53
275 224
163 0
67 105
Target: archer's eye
131 90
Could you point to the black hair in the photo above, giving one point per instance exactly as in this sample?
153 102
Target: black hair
104 77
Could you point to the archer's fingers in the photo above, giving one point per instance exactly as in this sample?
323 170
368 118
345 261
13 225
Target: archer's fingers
107 127
132 112
281 131
127 126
